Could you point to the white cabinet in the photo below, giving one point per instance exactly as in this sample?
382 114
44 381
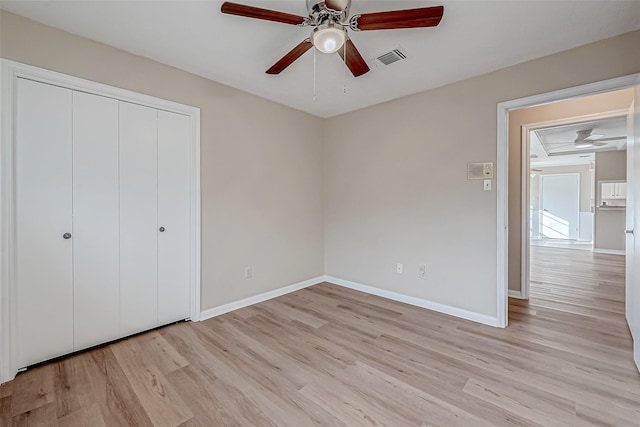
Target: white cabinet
613 194
607 190
620 190
103 219
614 190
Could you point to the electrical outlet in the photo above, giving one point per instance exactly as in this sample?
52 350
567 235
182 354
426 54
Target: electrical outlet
422 272
248 272
399 268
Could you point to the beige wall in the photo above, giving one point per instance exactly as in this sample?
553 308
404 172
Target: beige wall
619 100
260 171
395 178
609 224
395 188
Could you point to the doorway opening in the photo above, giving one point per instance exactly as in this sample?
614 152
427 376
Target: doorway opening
508 235
573 181
573 325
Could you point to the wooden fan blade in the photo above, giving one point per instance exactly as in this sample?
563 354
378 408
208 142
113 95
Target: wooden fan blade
258 13
354 60
290 57
613 138
409 18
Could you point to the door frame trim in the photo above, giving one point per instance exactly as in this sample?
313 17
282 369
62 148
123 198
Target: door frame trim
502 169
526 183
10 71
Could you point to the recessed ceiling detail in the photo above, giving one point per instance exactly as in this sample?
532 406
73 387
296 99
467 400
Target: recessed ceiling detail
596 135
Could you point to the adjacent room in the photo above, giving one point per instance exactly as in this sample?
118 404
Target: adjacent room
574 181
338 212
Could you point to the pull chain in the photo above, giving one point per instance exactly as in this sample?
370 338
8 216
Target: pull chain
344 70
315 96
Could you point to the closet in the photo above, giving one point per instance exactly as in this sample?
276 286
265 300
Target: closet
102 219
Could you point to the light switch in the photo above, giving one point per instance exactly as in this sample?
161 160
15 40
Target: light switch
487 185
487 169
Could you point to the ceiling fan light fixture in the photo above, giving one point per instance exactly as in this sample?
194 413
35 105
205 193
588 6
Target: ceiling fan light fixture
328 38
584 144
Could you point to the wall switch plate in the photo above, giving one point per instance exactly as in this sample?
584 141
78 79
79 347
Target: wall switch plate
399 268
487 185
422 272
248 272
480 170
487 169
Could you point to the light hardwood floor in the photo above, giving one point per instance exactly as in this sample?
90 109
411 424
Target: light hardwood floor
331 356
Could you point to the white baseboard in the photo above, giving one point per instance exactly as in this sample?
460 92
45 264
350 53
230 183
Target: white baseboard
236 305
515 294
430 305
609 251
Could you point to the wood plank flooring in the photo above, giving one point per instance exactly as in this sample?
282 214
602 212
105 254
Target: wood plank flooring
331 356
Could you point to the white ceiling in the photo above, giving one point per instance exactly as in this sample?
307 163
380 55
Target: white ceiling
474 37
554 146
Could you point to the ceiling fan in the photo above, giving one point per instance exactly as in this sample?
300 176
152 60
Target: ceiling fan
586 139
329 20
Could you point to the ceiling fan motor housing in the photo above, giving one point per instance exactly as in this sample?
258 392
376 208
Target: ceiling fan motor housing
321 12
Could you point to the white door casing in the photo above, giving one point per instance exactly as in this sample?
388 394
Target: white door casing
632 288
502 171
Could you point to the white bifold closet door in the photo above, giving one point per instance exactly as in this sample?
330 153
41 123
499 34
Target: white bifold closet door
154 217
173 216
43 174
95 220
138 217
102 219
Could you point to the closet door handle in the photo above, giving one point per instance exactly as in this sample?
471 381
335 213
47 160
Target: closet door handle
66 236
162 229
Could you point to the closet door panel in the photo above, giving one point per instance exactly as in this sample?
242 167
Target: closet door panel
173 216
95 220
43 215
138 218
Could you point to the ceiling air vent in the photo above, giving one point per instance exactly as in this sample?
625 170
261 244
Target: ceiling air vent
397 54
